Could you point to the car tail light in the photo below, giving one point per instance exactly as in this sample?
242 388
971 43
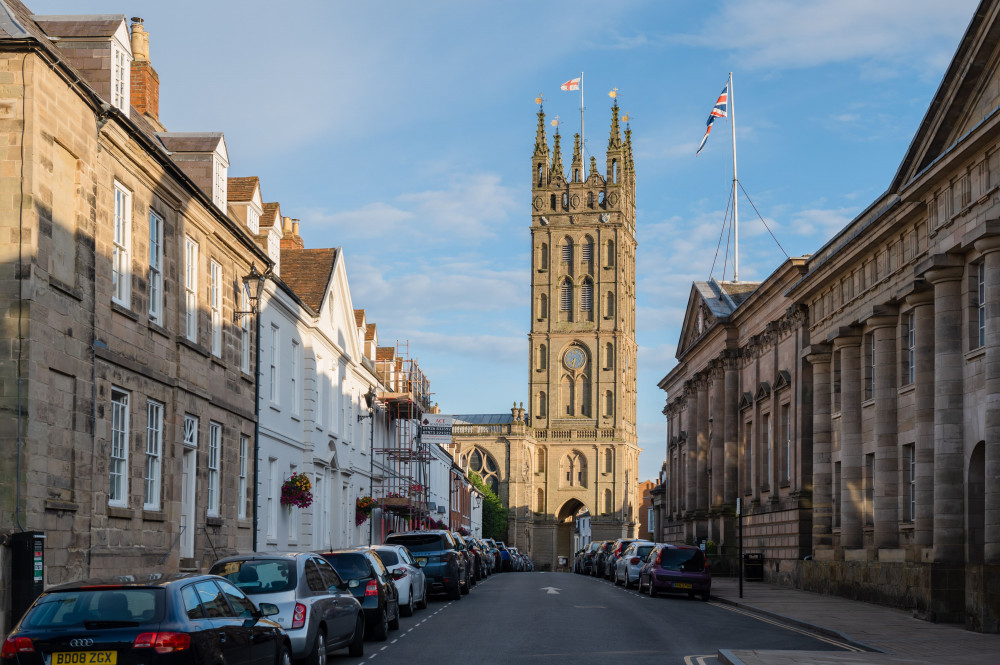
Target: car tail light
399 573
15 645
371 589
299 614
163 642
634 560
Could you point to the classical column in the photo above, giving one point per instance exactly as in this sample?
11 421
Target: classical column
922 303
851 490
949 365
990 247
703 444
731 432
691 449
717 429
885 431
818 355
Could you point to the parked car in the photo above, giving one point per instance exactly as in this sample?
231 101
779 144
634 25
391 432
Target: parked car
506 564
628 564
151 619
372 585
407 575
480 571
314 604
587 560
495 553
676 569
600 557
614 553
470 564
436 552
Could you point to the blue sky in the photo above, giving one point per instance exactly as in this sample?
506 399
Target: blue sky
403 132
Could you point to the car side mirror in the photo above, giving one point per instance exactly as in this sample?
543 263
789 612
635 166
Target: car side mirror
268 609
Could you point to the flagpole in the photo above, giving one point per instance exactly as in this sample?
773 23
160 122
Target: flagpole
583 144
736 214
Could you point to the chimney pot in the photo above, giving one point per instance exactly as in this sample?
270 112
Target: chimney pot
295 228
140 40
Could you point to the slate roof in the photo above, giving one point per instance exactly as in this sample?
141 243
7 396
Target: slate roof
241 189
83 25
190 141
307 273
483 419
269 216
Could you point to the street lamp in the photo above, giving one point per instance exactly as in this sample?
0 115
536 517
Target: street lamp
370 399
253 283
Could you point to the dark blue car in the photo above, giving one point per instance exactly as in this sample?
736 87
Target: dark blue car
437 553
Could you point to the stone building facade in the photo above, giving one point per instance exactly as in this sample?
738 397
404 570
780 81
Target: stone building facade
577 449
872 471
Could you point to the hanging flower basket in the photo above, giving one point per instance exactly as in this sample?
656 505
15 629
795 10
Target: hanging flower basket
363 509
297 491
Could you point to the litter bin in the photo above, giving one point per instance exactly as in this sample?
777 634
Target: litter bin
753 567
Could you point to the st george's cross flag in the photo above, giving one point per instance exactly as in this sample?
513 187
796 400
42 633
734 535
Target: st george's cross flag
572 84
718 111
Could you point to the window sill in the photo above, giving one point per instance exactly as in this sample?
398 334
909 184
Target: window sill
246 377
244 524
907 389
216 360
153 515
274 407
158 329
295 417
124 311
975 353
71 291
906 526
868 403
213 521
119 511
55 504
194 346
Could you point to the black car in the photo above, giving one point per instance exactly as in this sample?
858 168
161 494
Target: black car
372 585
147 620
437 553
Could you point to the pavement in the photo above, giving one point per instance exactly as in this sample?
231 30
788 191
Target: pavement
875 634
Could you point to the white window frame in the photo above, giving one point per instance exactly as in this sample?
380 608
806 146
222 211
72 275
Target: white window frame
320 397
154 455
241 509
253 220
272 501
215 302
190 288
245 332
121 83
118 453
214 467
191 431
219 175
294 376
273 372
911 348
121 263
155 267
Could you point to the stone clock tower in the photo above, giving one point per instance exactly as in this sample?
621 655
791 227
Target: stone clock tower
573 448
582 374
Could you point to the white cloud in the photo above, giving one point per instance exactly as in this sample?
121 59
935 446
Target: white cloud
790 34
823 223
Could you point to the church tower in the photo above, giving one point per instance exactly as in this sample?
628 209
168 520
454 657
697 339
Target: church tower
582 374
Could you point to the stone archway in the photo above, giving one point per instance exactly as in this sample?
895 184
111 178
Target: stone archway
564 531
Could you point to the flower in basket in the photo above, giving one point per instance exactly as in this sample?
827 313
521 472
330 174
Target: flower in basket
363 509
297 491
462 530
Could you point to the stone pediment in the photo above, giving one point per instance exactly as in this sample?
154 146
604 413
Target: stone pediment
763 391
746 401
784 380
701 315
967 97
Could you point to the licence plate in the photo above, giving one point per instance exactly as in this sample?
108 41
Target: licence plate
421 559
85 658
682 585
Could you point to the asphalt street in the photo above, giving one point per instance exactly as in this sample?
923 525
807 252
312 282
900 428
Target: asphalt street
566 618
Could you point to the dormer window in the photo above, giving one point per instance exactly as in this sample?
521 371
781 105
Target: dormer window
120 84
253 221
219 173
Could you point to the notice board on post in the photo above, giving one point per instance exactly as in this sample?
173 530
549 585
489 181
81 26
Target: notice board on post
436 428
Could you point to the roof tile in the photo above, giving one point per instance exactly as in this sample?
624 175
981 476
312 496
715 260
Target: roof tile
241 189
307 273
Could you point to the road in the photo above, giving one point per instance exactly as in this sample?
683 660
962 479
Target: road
565 618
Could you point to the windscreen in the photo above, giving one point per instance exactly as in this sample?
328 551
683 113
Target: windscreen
389 558
350 565
643 551
689 561
96 608
254 576
419 542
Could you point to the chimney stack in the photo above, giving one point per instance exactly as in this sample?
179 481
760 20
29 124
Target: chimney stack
290 238
145 83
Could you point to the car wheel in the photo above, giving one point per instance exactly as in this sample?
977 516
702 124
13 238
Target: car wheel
465 587
394 622
627 583
407 610
455 593
638 583
422 605
357 648
318 654
284 656
652 591
380 631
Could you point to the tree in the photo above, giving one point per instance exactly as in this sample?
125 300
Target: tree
494 512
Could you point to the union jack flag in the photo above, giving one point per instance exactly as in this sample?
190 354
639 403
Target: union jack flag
718 111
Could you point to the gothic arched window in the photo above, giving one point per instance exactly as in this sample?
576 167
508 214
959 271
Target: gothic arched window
610 258
609 356
540 501
583 394
482 462
540 460
610 305
587 296
569 396
543 359
543 256
566 296
609 404
542 405
543 307
608 504
567 250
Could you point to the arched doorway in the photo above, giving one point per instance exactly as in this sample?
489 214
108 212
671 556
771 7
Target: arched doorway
565 531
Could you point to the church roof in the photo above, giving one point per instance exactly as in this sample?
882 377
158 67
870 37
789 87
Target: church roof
483 419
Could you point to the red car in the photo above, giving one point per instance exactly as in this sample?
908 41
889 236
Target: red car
676 569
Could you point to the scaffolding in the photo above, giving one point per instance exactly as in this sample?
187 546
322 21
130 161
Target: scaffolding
402 489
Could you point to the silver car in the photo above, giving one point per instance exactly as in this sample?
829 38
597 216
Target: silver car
315 607
409 578
628 564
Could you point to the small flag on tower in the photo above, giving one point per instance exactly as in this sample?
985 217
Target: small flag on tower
719 111
572 84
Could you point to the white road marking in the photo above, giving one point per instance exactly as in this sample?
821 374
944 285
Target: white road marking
383 648
700 660
394 641
759 617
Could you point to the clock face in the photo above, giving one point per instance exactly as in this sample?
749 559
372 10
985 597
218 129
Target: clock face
605 217
575 358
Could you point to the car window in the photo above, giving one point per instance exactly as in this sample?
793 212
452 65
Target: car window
420 542
313 579
388 557
643 550
212 600
377 564
628 551
405 555
242 605
349 565
256 576
72 608
330 577
683 559
192 604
